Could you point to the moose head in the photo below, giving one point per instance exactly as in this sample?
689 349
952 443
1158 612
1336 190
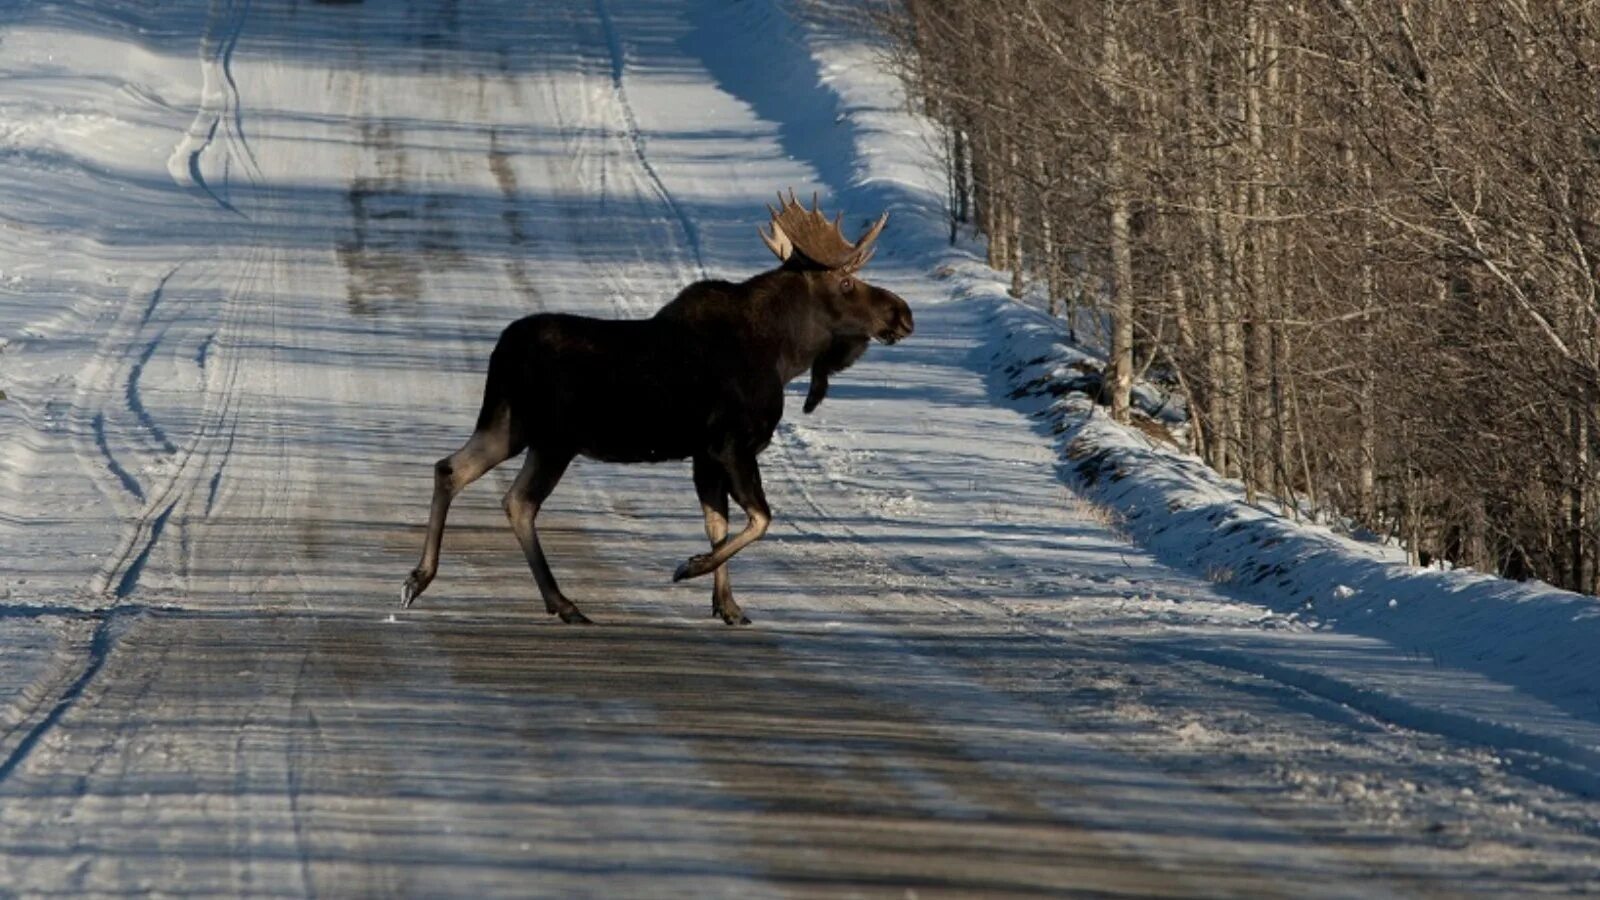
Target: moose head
807 244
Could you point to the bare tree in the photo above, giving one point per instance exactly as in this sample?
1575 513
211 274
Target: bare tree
1360 236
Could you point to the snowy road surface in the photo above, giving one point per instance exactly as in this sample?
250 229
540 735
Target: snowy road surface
253 254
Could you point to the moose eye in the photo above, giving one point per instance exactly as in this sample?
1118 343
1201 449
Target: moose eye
846 284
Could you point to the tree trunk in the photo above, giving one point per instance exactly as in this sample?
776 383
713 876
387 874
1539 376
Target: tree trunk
1018 216
963 186
1120 376
1258 329
1048 254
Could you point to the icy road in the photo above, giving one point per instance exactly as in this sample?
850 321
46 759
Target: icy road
253 255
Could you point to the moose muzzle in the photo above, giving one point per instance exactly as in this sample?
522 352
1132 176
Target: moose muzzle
898 324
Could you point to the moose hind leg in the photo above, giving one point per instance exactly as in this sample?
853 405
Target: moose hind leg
487 448
534 483
744 482
711 485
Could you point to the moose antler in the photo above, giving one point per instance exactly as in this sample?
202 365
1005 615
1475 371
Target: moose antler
808 232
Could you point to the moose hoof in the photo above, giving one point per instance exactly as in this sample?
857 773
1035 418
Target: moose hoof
734 616
572 616
414 586
693 567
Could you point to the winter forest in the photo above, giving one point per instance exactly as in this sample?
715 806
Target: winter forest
1358 236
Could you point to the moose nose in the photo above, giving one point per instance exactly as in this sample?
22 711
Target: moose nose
898 324
902 326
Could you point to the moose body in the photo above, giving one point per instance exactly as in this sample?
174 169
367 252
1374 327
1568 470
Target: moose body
622 391
702 379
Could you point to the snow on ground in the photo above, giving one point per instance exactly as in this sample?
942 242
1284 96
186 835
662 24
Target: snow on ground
252 259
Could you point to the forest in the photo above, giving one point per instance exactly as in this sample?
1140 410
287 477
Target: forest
1358 236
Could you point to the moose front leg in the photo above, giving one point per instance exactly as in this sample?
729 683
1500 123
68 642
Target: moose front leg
744 482
712 487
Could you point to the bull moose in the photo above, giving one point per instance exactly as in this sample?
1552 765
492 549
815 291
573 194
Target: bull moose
702 379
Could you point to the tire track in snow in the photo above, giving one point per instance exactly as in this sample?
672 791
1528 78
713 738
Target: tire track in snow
868 557
191 465
100 644
111 387
99 385
129 483
505 177
220 108
174 469
135 402
230 43
128 566
294 786
619 88
197 461
135 568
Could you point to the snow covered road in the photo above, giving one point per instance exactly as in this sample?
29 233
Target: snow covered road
253 255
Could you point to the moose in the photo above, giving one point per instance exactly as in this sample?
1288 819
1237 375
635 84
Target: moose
702 379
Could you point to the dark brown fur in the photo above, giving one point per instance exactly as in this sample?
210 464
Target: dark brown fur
702 379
